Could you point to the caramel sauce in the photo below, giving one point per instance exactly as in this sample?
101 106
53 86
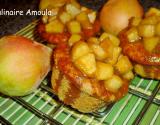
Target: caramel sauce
152 71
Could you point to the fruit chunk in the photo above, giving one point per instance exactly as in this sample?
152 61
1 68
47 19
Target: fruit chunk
115 41
54 26
129 75
86 64
84 20
113 83
150 43
149 20
132 34
140 70
72 9
114 58
123 65
146 30
44 4
99 52
73 39
23 64
152 11
79 49
104 71
74 27
93 40
65 17
107 46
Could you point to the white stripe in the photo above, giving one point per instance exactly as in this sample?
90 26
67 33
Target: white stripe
124 104
38 122
137 103
155 116
67 117
42 106
27 110
4 101
77 120
50 109
8 108
62 109
11 107
90 120
28 99
105 116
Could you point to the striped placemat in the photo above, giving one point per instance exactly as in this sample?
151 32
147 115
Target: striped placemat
141 105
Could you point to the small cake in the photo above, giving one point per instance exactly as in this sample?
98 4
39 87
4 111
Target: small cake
68 18
89 74
140 41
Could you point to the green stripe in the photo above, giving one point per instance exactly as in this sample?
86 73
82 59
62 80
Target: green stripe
149 115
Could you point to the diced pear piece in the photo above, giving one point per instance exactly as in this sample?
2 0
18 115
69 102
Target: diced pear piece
92 16
139 70
146 30
79 49
73 39
99 52
150 43
65 17
72 9
75 3
104 71
54 27
93 40
113 84
132 34
152 11
44 4
86 64
129 75
82 17
74 27
116 53
111 37
108 47
123 65
152 20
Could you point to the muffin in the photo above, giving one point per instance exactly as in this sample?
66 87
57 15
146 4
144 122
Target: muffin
89 74
140 41
68 18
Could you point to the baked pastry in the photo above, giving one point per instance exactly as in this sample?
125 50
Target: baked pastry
68 18
89 74
141 43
